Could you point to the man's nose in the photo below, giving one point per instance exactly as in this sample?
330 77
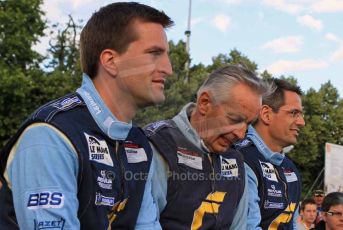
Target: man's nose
240 131
300 121
165 65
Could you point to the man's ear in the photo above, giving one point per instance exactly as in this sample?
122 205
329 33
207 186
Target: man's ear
265 114
204 102
107 61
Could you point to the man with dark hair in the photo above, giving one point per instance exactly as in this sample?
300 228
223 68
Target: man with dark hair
66 168
308 213
200 181
332 212
274 181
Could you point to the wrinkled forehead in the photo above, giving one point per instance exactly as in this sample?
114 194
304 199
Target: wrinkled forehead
247 108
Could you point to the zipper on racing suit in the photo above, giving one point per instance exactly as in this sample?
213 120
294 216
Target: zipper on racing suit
213 183
122 169
286 193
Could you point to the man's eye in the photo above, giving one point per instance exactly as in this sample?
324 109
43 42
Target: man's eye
155 52
234 120
296 113
335 214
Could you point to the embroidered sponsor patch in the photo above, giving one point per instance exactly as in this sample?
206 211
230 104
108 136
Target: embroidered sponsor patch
67 103
154 127
243 143
103 200
268 171
189 158
49 224
135 153
290 175
229 167
268 204
98 150
274 192
105 179
45 199
158 124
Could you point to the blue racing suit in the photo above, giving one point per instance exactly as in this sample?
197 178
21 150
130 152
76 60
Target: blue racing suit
274 185
46 171
182 200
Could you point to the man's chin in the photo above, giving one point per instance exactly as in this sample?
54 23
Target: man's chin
152 102
293 142
158 99
290 141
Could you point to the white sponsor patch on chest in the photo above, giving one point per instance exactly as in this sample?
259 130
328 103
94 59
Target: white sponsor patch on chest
105 179
274 192
191 159
229 167
135 153
268 171
98 150
290 176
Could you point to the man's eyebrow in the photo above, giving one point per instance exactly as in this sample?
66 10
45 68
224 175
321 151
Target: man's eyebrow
155 48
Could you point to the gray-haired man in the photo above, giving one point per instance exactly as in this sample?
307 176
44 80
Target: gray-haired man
206 188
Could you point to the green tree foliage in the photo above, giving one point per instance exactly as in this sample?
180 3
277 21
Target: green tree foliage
235 57
324 123
14 88
64 48
21 26
22 89
21 93
265 75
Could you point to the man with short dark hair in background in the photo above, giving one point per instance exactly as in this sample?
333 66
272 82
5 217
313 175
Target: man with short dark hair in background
66 166
274 181
308 213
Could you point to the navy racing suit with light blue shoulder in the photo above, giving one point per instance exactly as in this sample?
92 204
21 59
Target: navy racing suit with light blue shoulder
274 185
195 189
73 165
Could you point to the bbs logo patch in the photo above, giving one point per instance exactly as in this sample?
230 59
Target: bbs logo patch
45 199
